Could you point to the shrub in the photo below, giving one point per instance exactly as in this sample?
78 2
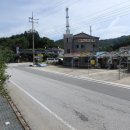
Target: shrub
3 76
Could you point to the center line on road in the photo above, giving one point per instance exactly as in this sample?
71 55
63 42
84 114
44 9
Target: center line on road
45 107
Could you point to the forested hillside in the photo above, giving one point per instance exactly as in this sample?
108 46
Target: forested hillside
114 44
60 43
24 41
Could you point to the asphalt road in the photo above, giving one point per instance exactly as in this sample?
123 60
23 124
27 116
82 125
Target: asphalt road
51 101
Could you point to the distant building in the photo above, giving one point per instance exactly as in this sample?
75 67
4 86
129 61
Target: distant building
124 49
80 43
126 52
79 48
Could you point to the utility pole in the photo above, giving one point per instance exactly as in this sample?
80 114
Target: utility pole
89 58
32 20
119 67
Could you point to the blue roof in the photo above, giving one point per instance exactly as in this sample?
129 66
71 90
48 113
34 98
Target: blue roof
100 53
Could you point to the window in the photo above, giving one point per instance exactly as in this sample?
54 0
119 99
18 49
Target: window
76 60
68 50
77 46
67 40
82 46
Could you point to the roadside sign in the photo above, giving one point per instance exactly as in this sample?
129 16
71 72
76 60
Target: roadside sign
38 57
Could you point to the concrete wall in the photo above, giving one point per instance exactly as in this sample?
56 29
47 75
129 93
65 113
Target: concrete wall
68 43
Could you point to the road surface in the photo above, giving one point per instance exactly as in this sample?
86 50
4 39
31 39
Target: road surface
51 101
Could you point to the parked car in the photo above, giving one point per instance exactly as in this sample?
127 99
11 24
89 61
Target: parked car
51 60
39 65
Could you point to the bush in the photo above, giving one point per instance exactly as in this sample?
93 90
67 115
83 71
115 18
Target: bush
3 76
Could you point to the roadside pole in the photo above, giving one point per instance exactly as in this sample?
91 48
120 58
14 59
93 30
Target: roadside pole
127 62
119 68
32 20
72 63
88 65
92 50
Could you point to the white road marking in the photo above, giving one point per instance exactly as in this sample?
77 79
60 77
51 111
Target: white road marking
100 81
45 107
91 79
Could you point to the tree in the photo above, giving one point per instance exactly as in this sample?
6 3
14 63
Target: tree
115 43
60 43
3 76
48 43
28 36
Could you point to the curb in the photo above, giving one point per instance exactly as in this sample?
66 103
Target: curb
18 114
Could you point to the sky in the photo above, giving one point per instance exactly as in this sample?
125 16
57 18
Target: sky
108 18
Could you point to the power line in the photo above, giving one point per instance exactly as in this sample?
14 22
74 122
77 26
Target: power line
107 16
104 10
103 18
99 14
113 12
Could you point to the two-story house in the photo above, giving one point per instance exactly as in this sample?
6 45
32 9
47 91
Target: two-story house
78 49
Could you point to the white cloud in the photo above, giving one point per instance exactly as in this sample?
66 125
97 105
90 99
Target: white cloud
114 29
114 23
83 13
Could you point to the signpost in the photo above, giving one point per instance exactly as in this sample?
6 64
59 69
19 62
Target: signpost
119 67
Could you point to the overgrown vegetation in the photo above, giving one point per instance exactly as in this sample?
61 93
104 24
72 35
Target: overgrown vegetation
60 43
3 76
114 44
6 56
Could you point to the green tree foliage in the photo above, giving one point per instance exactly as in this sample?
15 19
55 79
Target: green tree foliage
48 43
39 42
28 36
24 41
114 44
3 76
7 55
60 43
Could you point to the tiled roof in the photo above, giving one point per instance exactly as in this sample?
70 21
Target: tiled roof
82 34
